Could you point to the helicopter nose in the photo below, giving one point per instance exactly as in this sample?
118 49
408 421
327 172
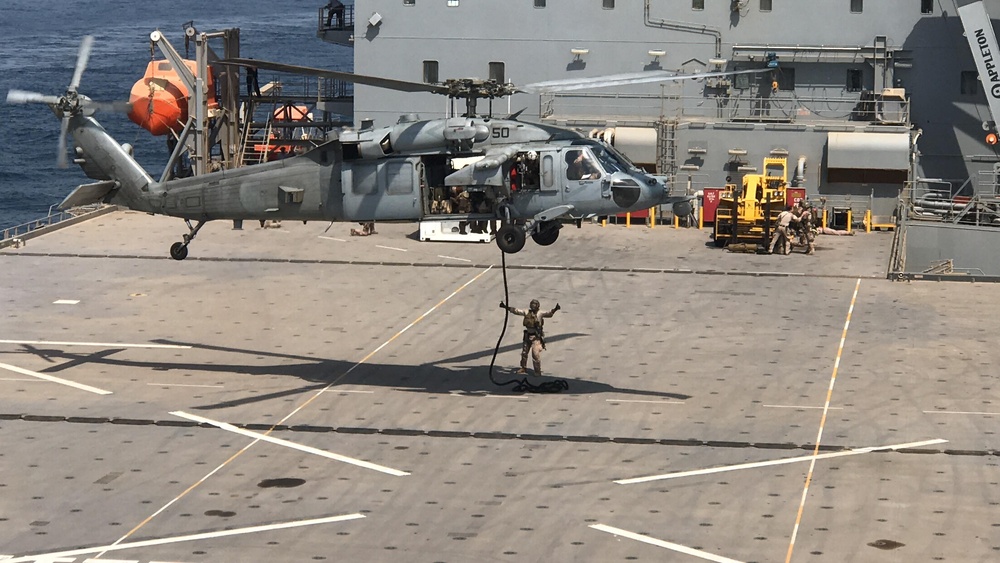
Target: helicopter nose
625 192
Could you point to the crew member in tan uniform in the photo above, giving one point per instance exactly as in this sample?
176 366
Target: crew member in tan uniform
782 232
534 337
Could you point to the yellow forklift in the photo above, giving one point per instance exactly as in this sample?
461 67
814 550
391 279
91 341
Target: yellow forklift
747 214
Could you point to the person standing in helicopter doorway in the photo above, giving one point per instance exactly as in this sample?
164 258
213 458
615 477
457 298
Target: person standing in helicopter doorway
534 336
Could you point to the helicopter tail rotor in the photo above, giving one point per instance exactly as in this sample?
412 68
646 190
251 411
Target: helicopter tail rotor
81 61
71 103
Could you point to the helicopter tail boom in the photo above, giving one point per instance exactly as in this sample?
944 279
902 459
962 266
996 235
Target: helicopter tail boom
103 159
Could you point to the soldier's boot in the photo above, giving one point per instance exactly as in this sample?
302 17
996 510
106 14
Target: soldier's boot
522 371
811 249
538 373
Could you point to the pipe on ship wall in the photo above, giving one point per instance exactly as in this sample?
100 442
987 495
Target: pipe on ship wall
684 26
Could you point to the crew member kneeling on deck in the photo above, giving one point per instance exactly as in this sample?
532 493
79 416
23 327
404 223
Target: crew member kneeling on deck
534 337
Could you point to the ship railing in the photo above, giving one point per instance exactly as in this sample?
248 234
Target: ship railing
339 18
939 200
306 89
781 107
15 235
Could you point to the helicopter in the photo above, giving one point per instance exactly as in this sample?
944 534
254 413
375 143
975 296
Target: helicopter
530 178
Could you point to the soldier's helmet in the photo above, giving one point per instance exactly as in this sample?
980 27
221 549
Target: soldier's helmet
534 305
806 204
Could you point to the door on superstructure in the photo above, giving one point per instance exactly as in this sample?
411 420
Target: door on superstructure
382 190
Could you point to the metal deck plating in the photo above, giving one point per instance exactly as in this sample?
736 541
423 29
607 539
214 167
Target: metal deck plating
294 394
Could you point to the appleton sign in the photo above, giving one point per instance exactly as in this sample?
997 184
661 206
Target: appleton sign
983 42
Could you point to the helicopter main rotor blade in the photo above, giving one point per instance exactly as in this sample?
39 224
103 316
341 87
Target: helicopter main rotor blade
63 130
553 86
391 84
24 97
118 106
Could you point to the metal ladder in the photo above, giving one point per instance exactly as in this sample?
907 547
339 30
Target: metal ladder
666 147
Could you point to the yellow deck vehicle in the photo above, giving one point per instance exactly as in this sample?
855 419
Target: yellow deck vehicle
747 213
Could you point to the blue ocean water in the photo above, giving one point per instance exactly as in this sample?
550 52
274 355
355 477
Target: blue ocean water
39 40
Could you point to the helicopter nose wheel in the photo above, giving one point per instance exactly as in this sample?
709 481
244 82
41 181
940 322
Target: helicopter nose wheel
179 250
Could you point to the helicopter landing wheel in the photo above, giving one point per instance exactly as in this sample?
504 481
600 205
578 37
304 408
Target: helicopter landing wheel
547 233
510 238
178 251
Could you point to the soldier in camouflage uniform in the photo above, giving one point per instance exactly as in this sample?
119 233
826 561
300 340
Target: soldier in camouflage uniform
534 337
807 237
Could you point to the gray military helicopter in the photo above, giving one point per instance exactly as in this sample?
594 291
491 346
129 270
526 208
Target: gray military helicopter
529 177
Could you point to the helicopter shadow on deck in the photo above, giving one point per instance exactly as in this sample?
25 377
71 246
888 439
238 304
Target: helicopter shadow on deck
433 378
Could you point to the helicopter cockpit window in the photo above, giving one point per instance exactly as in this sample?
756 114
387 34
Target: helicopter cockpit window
608 160
580 165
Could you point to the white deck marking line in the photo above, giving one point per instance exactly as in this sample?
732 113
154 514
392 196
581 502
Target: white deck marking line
347 391
769 463
664 544
66 302
642 401
800 407
184 385
294 412
391 248
97 344
454 258
332 238
822 422
288 444
53 379
962 412
191 537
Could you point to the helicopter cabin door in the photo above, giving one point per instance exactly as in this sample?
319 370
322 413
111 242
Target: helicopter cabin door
382 190
581 176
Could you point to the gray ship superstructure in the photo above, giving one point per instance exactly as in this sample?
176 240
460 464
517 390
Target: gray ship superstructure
868 100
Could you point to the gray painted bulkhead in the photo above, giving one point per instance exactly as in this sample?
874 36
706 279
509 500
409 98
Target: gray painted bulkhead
535 44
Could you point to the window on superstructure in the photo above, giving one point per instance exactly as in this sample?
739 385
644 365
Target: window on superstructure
854 80
539 3
609 4
857 6
765 5
497 72
970 83
431 72
926 6
697 4
409 2
452 3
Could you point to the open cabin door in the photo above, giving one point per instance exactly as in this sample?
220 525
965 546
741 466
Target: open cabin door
536 181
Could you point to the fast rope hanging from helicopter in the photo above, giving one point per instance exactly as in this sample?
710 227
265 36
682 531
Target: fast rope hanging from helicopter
520 385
